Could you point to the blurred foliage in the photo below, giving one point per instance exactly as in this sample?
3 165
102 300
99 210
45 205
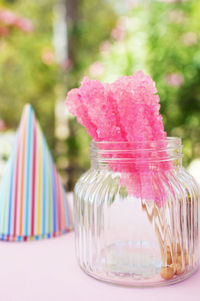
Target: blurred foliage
26 75
174 47
90 23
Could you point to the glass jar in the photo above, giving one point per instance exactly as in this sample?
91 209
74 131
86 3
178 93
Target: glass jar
136 214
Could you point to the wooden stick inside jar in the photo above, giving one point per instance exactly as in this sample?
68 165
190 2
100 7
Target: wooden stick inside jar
168 269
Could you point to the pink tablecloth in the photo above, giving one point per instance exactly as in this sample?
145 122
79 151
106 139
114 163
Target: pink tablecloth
47 271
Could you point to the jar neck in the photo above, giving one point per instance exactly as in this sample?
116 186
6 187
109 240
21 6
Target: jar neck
140 156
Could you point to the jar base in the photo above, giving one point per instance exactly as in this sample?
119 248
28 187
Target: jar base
115 279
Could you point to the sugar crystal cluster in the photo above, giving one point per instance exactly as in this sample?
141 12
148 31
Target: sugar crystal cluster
126 110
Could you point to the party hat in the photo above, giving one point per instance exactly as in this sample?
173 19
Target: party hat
33 201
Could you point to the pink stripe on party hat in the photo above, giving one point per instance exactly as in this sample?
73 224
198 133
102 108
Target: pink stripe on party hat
33 201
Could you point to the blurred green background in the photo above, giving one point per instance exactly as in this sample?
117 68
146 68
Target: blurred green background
47 46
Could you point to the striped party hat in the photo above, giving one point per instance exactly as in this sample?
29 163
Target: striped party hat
33 201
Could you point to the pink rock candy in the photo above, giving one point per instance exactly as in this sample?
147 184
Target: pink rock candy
126 110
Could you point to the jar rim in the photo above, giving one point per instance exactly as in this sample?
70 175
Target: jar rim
161 150
168 143
175 139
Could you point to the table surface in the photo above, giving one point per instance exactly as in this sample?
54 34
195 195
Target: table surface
47 270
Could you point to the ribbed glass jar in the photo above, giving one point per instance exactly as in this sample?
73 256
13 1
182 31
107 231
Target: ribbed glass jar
136 214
